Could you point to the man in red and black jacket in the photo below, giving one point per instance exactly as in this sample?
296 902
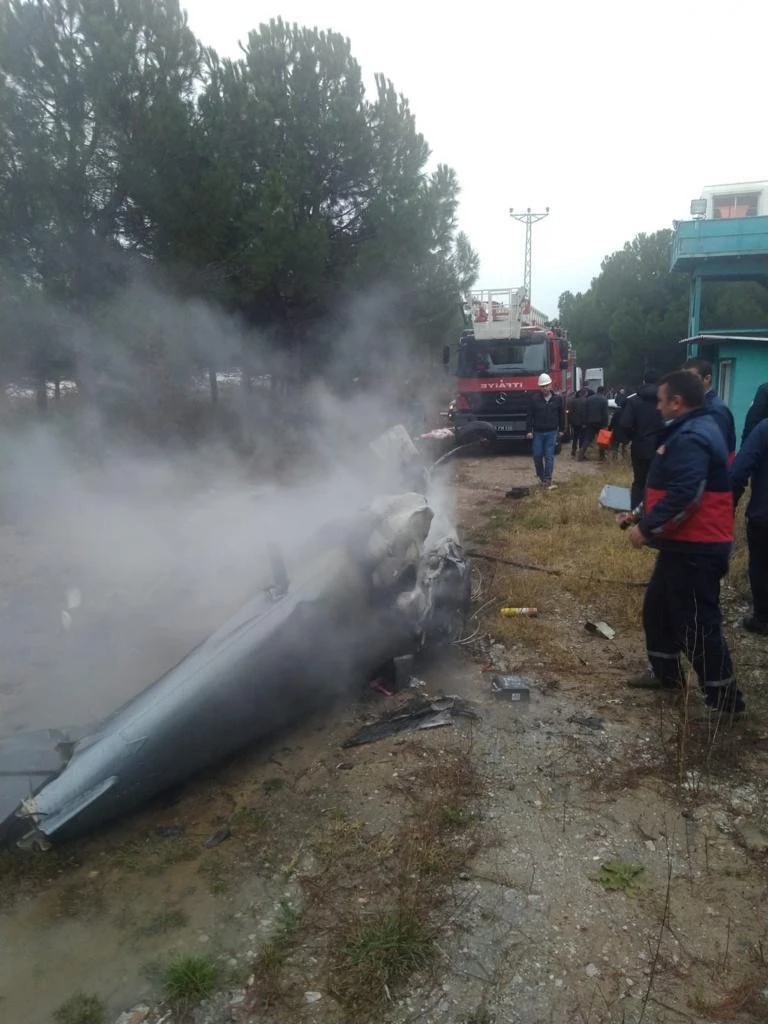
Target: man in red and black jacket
688 516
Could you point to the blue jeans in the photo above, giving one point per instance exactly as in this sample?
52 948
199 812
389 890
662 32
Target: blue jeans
544 454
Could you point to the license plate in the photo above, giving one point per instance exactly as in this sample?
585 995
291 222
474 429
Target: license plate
508 428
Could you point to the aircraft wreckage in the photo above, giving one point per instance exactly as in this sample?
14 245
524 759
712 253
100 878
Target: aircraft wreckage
380 584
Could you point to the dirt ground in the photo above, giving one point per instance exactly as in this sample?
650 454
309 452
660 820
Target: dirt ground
591 855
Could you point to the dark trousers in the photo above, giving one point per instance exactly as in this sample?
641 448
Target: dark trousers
640 469
681 615
589 434
577 437
757 540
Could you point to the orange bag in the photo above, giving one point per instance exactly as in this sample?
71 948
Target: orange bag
604 437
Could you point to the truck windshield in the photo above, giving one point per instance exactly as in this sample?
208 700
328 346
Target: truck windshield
502 358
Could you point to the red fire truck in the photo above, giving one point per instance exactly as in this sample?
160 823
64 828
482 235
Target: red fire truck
498 361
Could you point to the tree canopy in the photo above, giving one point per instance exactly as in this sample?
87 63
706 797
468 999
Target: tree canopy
635 310
272 184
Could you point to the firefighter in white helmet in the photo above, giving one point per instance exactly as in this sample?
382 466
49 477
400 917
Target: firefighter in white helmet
545 427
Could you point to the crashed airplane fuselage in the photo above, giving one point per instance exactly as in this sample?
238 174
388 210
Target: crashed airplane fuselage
361 592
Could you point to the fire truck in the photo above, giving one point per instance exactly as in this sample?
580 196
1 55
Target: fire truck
498 361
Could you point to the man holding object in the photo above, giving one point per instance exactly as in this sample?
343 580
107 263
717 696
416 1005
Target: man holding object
688 517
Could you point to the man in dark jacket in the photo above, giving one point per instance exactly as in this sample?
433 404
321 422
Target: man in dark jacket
597 417
714 404
757 411
546 425
688 516
577 416
752 464
640 423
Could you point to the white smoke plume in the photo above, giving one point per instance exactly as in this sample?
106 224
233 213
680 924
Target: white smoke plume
121 555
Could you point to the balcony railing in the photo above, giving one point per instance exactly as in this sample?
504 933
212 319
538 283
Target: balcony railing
700 240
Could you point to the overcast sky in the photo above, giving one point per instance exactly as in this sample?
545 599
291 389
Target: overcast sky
613 114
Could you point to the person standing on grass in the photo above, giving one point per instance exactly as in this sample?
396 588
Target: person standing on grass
597 418
577 415
715 406
640 424
545 427
751 464
687 516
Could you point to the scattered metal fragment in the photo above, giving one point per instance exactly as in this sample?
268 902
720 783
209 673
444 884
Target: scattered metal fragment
345 766
588 721
615 499
403 668
416 713
518 492
219 836
168 831
600 628
513 688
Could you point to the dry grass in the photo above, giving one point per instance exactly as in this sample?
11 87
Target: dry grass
592 574
372 950
372 893
567 532
746 1001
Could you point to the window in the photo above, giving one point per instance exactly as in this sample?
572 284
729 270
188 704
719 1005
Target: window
502 358
725 379
729 206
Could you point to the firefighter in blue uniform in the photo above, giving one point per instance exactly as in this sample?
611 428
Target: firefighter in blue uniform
687 515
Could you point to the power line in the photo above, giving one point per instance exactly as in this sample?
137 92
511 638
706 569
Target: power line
529 219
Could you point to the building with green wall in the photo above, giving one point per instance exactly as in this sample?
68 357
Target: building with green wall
727 241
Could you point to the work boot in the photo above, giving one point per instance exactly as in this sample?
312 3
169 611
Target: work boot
648 681
550 486
729 700
755 625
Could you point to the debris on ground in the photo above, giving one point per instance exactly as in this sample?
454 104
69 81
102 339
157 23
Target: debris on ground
516 688
365 591
219 836
439 434
518 492
416 713
138 1015
615 499
600 628
588 721
509 612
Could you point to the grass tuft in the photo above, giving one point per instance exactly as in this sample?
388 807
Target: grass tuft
272 955
384 952
81 1008
618 876
188 980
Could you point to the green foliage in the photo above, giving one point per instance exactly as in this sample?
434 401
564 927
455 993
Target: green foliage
81 1009
188 980
618 876
635 311
272 184
388 949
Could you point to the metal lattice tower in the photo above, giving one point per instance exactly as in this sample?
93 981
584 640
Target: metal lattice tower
529 219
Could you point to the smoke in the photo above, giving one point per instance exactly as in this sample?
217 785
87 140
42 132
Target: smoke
122 554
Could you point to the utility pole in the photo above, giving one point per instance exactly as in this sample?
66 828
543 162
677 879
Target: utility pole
529 219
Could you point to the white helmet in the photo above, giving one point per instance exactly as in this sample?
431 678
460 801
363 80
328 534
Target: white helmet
544 379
